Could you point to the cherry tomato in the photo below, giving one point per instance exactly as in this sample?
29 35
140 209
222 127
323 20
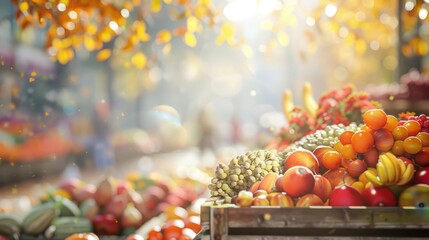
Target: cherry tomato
346 137
375 118
400 133
391 123
82 236
331 160
348 152
379 197
155 233
338 146
424 137
413 127
398 148
362 141
412 145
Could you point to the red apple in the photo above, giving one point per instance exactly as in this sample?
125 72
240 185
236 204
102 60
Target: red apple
357 167
322 187
280 199
279 185
260 200
379 197
371 157
244 198
422 157
383 140
345 196
302 157
298 181
405 160
309 199
422 176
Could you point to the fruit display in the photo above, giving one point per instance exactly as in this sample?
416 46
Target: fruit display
243 171
381 162
112 207
338 108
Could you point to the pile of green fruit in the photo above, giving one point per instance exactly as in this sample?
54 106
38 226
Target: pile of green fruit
111 208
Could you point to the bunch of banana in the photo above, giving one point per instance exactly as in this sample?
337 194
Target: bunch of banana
9 226
309 102
390 171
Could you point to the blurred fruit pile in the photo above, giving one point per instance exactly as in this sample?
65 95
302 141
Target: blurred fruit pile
335 107
112 208
20 140
413 86
383 162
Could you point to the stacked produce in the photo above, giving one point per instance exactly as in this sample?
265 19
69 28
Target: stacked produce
334 108
384 162
112 208
412 86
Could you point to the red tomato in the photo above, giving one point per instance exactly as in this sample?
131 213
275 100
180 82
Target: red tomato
379 197
344 196
106 224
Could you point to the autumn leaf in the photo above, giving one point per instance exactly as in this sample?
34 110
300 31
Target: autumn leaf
103 55
227 30
193 24
179 31
163 36
23 6
89 43
156 6
139 60
283 39
190 39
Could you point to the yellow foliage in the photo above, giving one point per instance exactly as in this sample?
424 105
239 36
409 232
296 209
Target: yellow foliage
103 55
139 60
156 6
190 39
163 36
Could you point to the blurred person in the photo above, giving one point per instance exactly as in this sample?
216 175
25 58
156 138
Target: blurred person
207 132
235 130
102 149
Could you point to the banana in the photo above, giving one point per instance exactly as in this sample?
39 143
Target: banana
373 178
9 226
287 104
382 173
389 168
396 164
39 218
407 175
310 104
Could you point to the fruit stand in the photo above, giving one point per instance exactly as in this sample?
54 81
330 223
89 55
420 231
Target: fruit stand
318 221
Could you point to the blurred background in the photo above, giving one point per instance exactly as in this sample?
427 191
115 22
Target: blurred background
93 84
